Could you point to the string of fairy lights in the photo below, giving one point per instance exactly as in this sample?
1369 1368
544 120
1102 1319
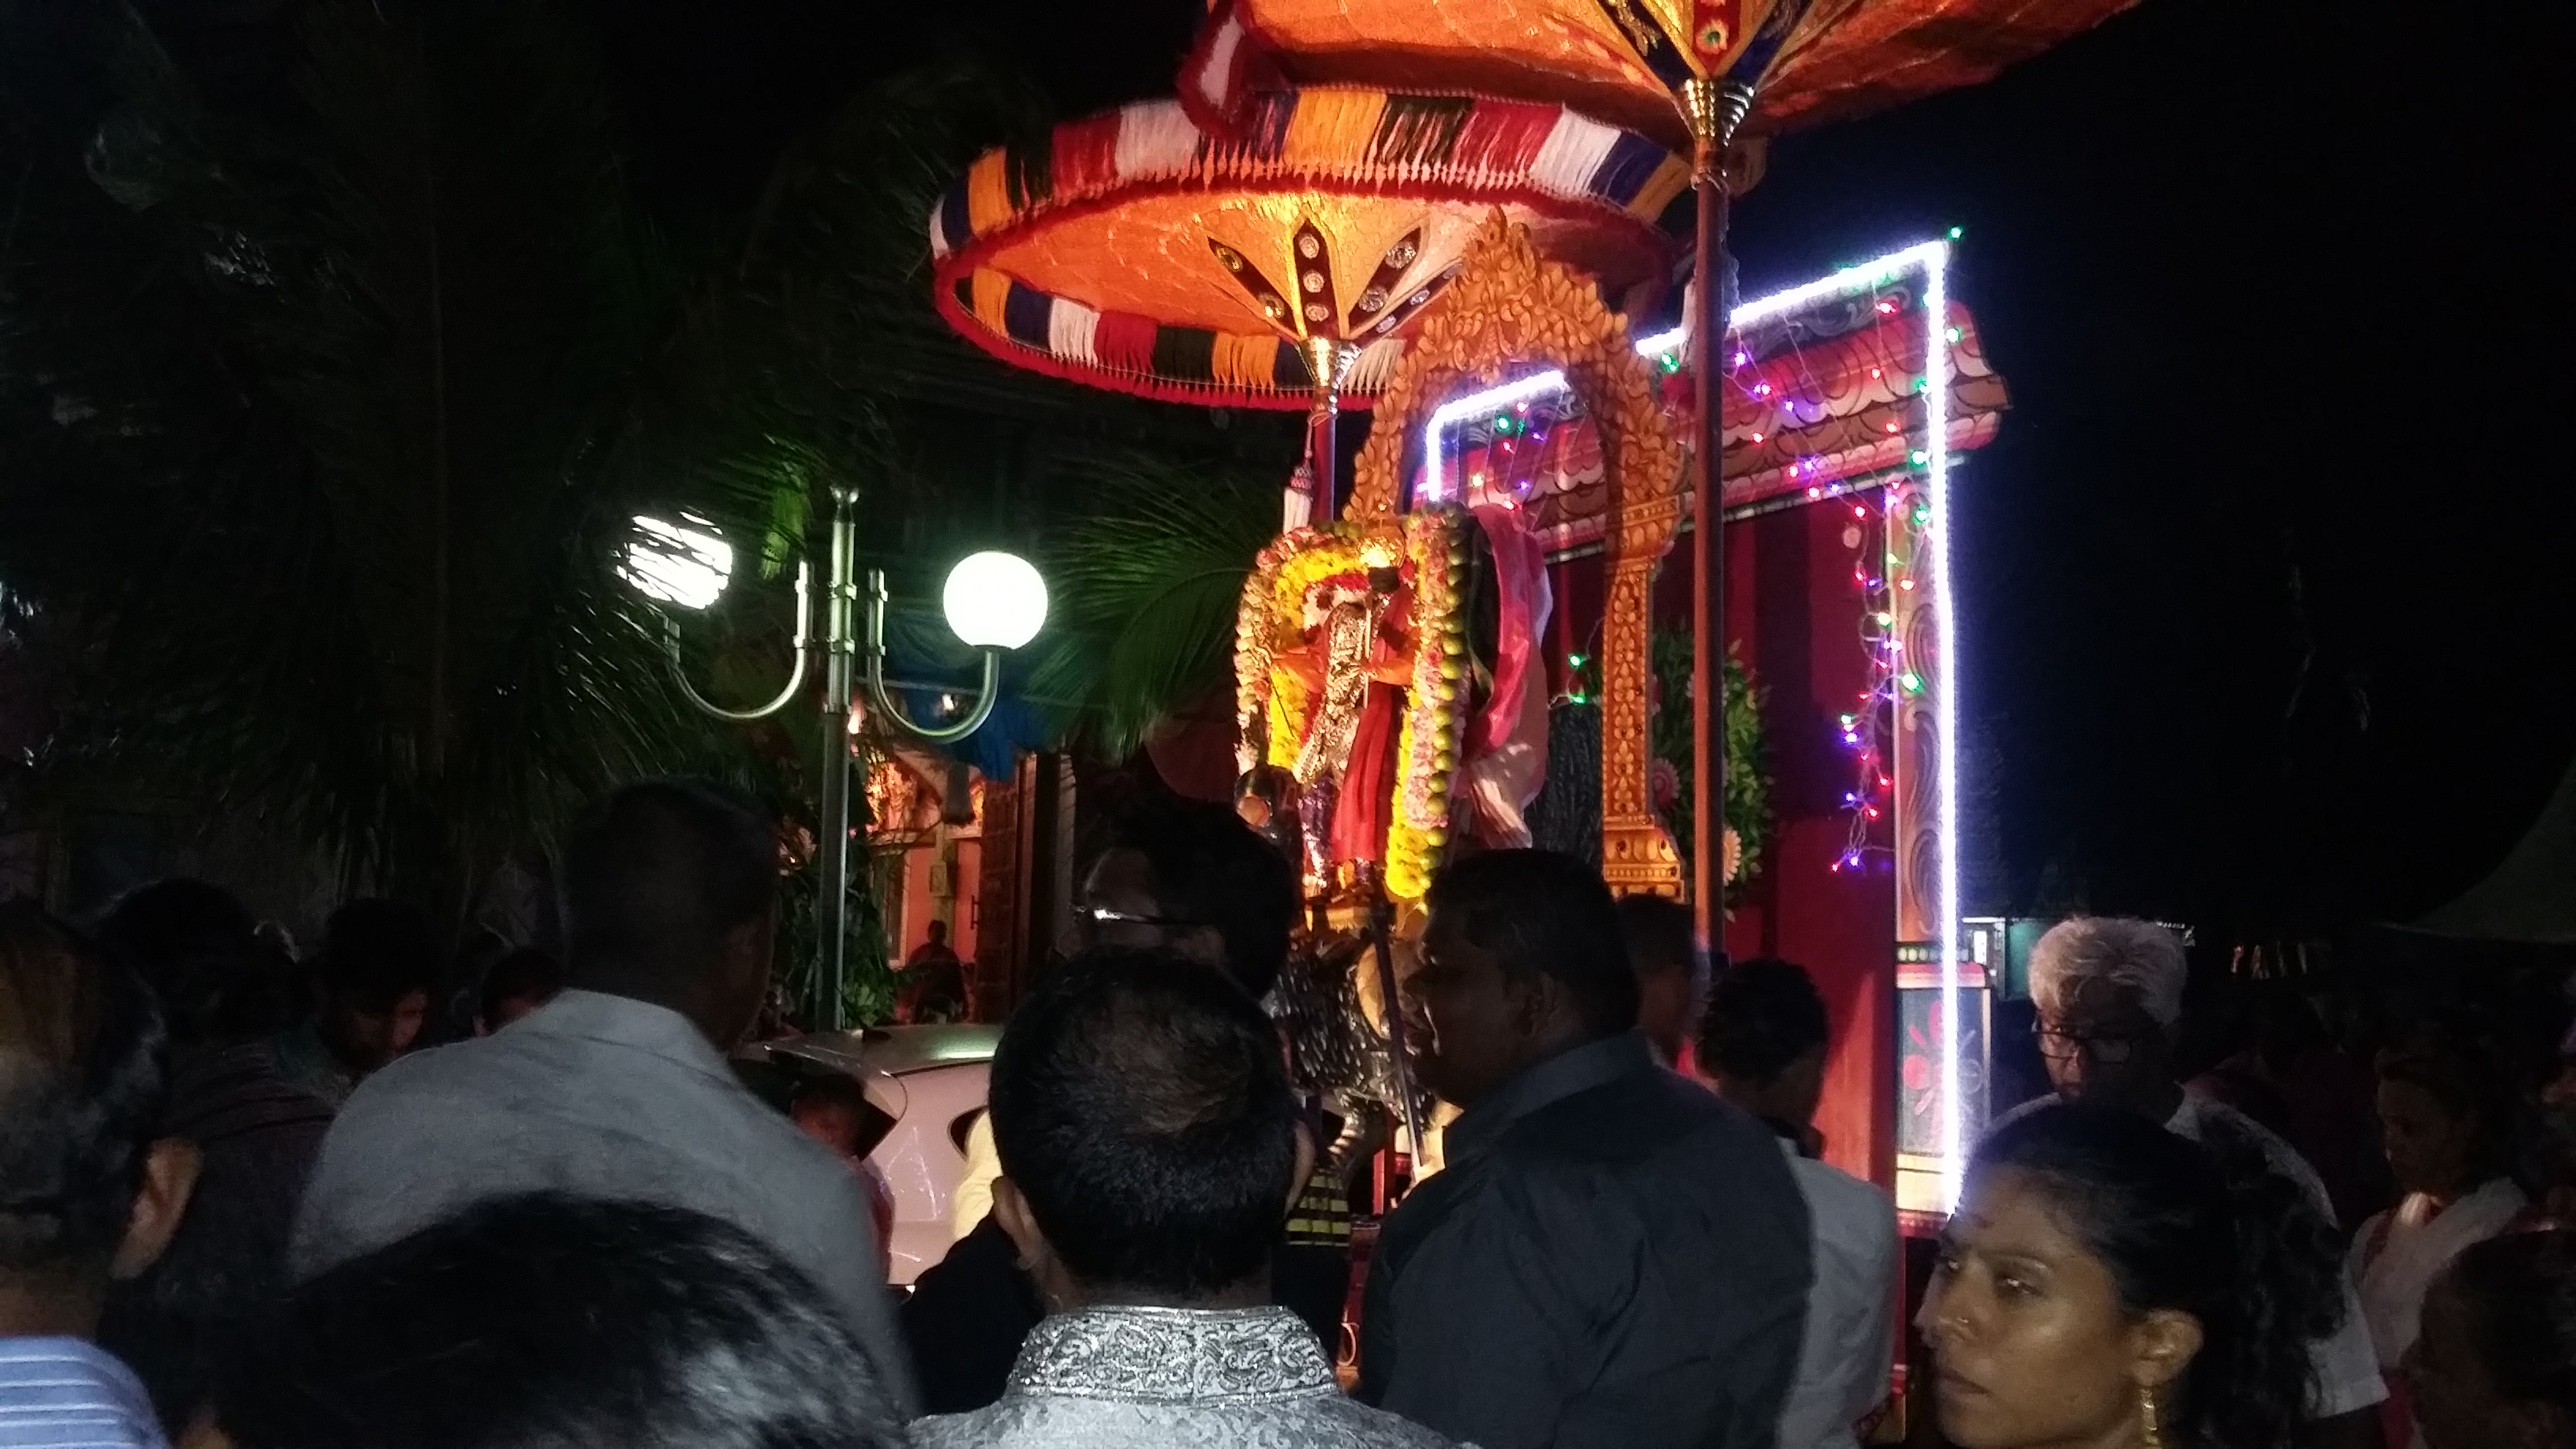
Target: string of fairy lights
1902 544
1518 439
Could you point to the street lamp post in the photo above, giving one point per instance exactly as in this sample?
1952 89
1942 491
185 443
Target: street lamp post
994 602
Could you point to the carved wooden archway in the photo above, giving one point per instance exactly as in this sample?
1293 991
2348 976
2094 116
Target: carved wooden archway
1510 312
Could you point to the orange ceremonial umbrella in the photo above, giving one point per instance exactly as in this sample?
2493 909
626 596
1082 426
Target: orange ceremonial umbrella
1710 70
1279 266
1626 61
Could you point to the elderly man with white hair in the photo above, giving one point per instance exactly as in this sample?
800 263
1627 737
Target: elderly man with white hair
2109 992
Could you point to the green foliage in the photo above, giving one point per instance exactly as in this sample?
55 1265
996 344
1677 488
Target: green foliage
320 429
867 982
322 426
312 431
1146 586
1748 756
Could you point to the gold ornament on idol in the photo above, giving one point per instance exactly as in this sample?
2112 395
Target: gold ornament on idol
2153 1432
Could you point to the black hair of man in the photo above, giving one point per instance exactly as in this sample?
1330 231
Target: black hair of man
1140 1105
376 952
1763 1014
559 1321
1542 913
1661 934
654 876
83 1080
526 974
1212 869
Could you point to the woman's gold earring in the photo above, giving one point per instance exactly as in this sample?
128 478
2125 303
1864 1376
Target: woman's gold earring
2155 1437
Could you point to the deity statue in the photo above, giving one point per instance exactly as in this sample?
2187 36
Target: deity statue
1356 664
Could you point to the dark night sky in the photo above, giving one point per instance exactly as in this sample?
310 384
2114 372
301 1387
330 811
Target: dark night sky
2279 294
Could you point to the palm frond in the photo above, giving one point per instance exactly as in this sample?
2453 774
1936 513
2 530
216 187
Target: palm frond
1147 584
324 519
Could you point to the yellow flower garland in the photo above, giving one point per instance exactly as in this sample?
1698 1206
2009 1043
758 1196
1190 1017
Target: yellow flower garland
1430 547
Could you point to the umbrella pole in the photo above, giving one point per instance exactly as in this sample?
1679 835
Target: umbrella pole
1328 362
1714 109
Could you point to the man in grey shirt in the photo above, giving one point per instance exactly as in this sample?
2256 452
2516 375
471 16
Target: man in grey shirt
618 1089
1614 1258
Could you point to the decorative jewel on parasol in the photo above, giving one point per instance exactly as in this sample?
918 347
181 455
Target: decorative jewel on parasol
1282 267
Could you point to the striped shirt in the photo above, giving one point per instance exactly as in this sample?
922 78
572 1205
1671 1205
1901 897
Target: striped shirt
64 1393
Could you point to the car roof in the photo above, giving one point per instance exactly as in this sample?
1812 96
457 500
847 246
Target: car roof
893 1050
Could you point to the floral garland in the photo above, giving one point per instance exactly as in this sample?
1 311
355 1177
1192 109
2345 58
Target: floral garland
1271 705
1435 724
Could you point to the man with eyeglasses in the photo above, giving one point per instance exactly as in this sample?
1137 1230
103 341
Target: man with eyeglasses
2109 992
1173 875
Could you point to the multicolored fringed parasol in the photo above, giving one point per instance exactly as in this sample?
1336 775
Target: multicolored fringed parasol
1280 268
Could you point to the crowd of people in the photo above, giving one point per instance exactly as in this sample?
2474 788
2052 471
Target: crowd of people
242 1207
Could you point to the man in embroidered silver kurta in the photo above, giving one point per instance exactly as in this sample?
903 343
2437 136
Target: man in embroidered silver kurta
1250 1378
1149 1151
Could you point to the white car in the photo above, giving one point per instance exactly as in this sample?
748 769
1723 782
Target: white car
926 1084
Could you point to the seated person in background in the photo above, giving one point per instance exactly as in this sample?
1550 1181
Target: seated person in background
833 1110
558 1321
618 1088
1150 1150
1763 1045
2109 992
88 1191
2447 1122
2107 1283
2495 1367
1613 1256
516 986
1672 973
933 985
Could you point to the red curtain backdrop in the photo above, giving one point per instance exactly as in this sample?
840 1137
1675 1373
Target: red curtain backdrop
1794 614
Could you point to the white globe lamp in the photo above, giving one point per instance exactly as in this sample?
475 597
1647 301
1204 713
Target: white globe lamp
995 600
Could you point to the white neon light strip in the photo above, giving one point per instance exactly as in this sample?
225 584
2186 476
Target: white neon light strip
1945 704
1932 259
1928 256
